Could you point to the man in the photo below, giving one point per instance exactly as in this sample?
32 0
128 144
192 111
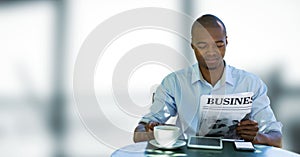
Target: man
179 93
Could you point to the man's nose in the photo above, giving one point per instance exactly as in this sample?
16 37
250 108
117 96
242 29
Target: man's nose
212 48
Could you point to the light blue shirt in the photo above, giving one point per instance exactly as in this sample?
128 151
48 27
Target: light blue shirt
179 95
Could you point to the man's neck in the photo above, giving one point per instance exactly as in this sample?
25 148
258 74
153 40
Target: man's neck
212 76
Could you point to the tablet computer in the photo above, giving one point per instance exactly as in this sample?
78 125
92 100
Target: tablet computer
205 142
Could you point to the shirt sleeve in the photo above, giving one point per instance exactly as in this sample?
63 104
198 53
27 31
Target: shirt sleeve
163 106
262 112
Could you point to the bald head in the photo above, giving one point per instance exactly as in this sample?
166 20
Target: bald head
209 21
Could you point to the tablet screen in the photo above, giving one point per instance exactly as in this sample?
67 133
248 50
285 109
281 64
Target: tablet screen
205 142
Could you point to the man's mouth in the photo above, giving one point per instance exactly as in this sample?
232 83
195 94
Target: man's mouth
211 60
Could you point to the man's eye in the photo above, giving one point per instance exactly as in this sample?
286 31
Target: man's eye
220 44
202 46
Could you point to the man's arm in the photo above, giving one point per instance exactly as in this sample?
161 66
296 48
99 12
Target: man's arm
163 107
272 138
248 130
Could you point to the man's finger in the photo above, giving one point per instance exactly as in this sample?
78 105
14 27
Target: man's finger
248 122
247 133
248 138
151 125
248 128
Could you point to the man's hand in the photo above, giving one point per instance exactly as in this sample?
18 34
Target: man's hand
144 131
247 129
150 126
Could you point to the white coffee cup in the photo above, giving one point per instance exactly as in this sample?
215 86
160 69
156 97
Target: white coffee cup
166 135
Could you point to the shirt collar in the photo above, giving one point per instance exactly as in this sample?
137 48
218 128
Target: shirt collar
226 77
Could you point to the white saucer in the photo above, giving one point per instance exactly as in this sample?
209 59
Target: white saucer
179 143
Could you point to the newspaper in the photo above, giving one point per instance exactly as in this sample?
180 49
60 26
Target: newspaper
220 114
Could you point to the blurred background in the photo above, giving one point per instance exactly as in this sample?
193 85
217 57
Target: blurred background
40 41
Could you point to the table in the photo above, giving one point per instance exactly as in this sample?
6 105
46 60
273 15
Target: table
145 149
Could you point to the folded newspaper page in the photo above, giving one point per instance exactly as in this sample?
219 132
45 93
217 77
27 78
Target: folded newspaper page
220 114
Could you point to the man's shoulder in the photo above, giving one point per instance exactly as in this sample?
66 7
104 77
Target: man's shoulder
242 74
183 73
186 70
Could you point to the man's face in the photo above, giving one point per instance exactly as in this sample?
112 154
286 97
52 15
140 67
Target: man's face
209 45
